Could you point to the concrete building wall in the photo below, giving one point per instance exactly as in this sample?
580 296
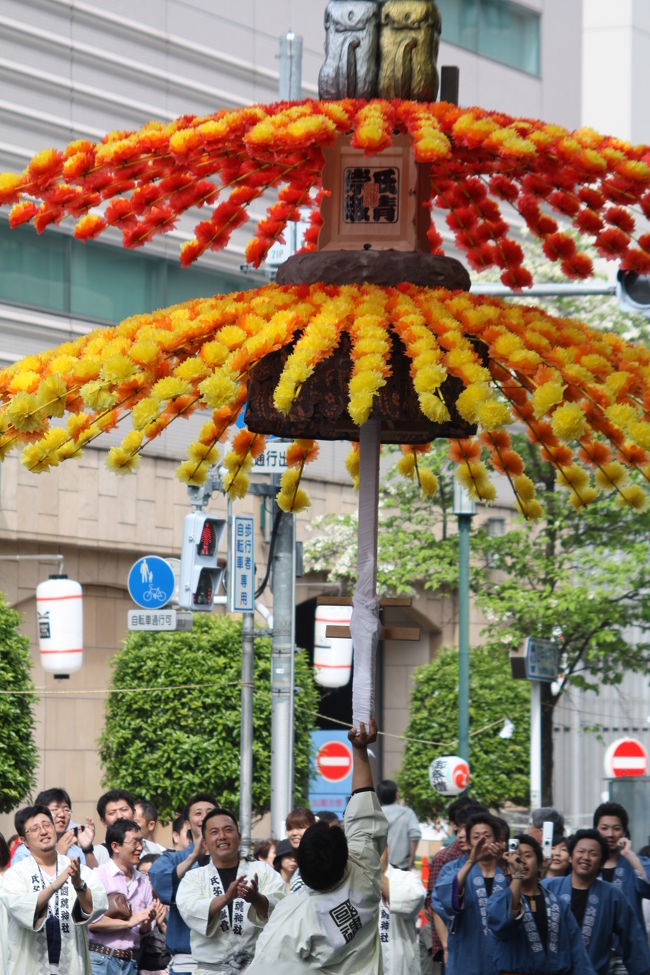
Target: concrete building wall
616 68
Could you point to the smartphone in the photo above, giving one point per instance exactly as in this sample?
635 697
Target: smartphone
75 830
513 846
547 839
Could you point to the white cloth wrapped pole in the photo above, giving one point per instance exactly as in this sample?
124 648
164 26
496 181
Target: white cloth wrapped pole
364 625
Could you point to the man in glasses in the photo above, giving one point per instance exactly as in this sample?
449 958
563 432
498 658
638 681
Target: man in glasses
49 899
115 938
74 841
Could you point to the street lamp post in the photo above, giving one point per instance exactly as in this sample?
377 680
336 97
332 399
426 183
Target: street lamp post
464 509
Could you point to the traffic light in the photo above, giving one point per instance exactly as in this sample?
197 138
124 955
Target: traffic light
633 292
200 573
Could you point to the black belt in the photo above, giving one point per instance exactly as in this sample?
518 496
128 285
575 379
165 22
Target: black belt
126 953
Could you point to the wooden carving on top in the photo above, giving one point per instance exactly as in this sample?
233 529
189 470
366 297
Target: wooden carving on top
387 50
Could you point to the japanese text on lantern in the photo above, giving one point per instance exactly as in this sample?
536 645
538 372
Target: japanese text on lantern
370 195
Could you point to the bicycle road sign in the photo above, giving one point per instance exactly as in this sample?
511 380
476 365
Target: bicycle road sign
151 582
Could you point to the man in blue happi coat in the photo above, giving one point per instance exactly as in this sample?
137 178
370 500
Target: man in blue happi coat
532 931
601 910
462 895
623 868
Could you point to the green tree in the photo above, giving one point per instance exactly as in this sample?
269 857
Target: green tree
167 744
18 755
499 767
580 575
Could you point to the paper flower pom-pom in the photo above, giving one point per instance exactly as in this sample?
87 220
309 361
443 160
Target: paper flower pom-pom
634 496
236 485
532 510
406 465
428 482
122 461
568 422
293 503
546 396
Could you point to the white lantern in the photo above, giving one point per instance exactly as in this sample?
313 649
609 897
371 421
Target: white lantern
449 775
60 625
332 655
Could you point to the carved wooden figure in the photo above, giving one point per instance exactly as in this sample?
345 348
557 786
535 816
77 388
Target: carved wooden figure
409 41
351 50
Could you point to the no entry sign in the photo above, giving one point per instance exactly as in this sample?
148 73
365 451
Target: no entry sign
625 756
334 761
330 777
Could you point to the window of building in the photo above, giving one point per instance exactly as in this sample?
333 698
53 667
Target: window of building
95 281
498 29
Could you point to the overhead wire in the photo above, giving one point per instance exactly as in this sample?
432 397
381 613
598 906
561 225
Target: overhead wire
88 694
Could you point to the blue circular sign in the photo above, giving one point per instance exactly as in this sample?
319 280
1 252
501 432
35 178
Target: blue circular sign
151 582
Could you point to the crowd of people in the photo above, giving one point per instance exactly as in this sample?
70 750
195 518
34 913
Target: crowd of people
333 897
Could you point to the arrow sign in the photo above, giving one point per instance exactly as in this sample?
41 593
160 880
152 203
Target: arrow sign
334 761
625 757
151 582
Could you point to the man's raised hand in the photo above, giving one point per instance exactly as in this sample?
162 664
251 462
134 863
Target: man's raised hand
363 737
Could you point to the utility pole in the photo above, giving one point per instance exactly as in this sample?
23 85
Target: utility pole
282 660
283 583
464 509
246 733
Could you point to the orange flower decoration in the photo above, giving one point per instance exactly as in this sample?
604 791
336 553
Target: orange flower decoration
482 165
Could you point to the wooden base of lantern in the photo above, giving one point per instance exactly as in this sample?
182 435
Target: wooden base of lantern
320 410
383 267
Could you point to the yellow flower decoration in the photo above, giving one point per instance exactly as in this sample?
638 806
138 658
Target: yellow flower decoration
547 396
568 422
23 413
122 461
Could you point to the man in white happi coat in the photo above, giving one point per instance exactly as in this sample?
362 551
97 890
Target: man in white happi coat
49 900
402 898
331 925
227 902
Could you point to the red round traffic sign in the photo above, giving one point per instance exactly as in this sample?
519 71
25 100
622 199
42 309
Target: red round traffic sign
626 756
334 761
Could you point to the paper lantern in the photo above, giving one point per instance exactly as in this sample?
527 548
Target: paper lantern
332 655
60 625
449 775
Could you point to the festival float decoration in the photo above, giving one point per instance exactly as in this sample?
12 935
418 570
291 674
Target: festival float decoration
370 334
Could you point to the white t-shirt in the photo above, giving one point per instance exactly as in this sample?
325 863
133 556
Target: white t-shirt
336 930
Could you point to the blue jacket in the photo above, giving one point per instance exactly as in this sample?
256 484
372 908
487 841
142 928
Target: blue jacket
517 947
164 881
608 917
466 919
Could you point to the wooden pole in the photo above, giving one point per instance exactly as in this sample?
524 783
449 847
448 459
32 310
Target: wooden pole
365 625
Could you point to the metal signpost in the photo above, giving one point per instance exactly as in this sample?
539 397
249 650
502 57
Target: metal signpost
542 659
